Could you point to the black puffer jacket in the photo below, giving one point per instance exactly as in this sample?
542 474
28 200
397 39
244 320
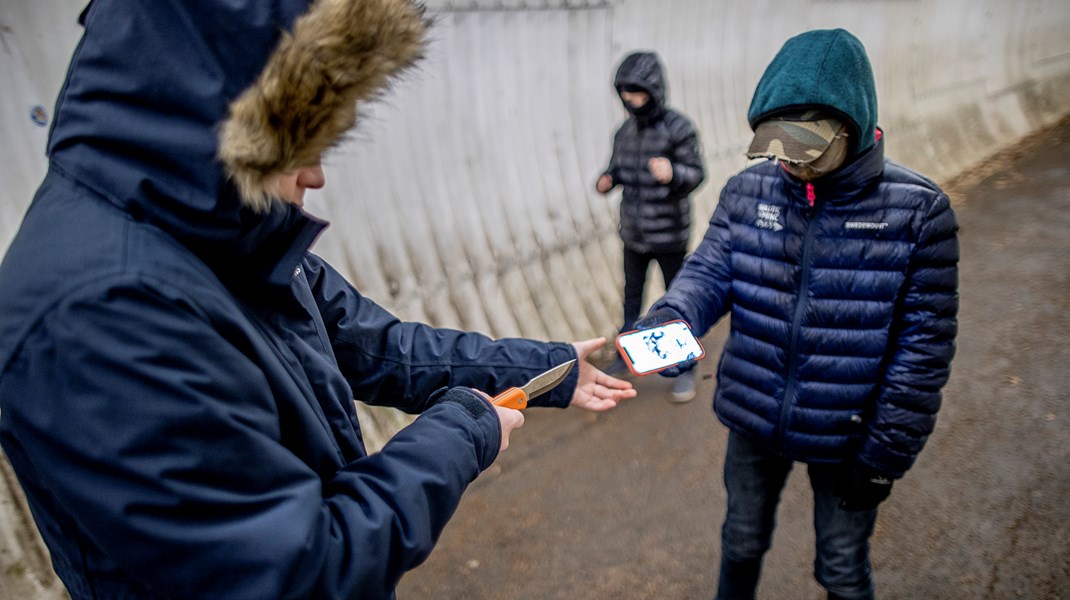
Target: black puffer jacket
654 217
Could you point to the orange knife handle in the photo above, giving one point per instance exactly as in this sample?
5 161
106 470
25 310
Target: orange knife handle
512 398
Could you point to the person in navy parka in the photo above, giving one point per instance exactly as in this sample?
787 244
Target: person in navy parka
839 269
177 370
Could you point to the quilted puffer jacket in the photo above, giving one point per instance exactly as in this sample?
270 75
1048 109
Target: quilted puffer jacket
843 312
843 291
654 217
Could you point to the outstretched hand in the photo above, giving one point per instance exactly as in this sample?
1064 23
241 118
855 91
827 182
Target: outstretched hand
596 391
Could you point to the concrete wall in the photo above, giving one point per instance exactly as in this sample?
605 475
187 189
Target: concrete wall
466 198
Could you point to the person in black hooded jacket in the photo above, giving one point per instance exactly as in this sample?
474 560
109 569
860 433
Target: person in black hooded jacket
839 269
657 160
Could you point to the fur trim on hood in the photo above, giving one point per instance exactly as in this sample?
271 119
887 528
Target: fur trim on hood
340 52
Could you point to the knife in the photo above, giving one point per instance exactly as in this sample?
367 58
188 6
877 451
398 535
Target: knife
517 397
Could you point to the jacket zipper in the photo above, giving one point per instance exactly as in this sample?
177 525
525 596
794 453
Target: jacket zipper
800 309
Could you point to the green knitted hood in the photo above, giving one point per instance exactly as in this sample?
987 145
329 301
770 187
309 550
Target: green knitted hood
825 68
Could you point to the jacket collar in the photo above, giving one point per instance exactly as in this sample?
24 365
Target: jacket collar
843 185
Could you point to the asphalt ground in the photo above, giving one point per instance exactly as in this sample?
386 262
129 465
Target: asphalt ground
628 504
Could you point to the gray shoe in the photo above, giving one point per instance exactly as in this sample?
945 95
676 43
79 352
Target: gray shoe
683 387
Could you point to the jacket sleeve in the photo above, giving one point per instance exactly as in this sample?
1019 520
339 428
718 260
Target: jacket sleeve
613 169
161 443
688 171
701 291
388 362
922 346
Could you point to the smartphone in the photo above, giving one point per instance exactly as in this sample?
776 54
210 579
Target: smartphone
657 348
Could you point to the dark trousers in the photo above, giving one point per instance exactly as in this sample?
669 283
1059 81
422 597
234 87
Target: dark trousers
635 267
754 479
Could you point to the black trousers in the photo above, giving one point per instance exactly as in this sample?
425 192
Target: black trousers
635 267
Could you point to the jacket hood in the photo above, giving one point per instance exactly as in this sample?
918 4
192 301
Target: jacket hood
644 70
825 69
181 113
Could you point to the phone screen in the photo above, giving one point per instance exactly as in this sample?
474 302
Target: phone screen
657 348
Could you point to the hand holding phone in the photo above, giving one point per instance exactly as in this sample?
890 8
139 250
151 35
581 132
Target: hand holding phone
657 348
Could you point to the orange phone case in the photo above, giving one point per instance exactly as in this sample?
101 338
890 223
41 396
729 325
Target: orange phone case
628 359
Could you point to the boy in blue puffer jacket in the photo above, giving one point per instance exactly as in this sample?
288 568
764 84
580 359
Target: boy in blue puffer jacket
840 270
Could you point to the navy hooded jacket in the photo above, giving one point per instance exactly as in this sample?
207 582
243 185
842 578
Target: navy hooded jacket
654 217
177 373
843 292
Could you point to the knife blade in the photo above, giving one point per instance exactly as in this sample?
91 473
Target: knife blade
517 397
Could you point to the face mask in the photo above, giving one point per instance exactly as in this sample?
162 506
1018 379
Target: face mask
832 159
641 111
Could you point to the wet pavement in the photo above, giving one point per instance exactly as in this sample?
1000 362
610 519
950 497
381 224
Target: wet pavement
628 504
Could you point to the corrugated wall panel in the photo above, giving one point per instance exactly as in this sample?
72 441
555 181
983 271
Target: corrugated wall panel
466 197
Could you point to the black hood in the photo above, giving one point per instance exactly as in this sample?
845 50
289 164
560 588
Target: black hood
644 70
